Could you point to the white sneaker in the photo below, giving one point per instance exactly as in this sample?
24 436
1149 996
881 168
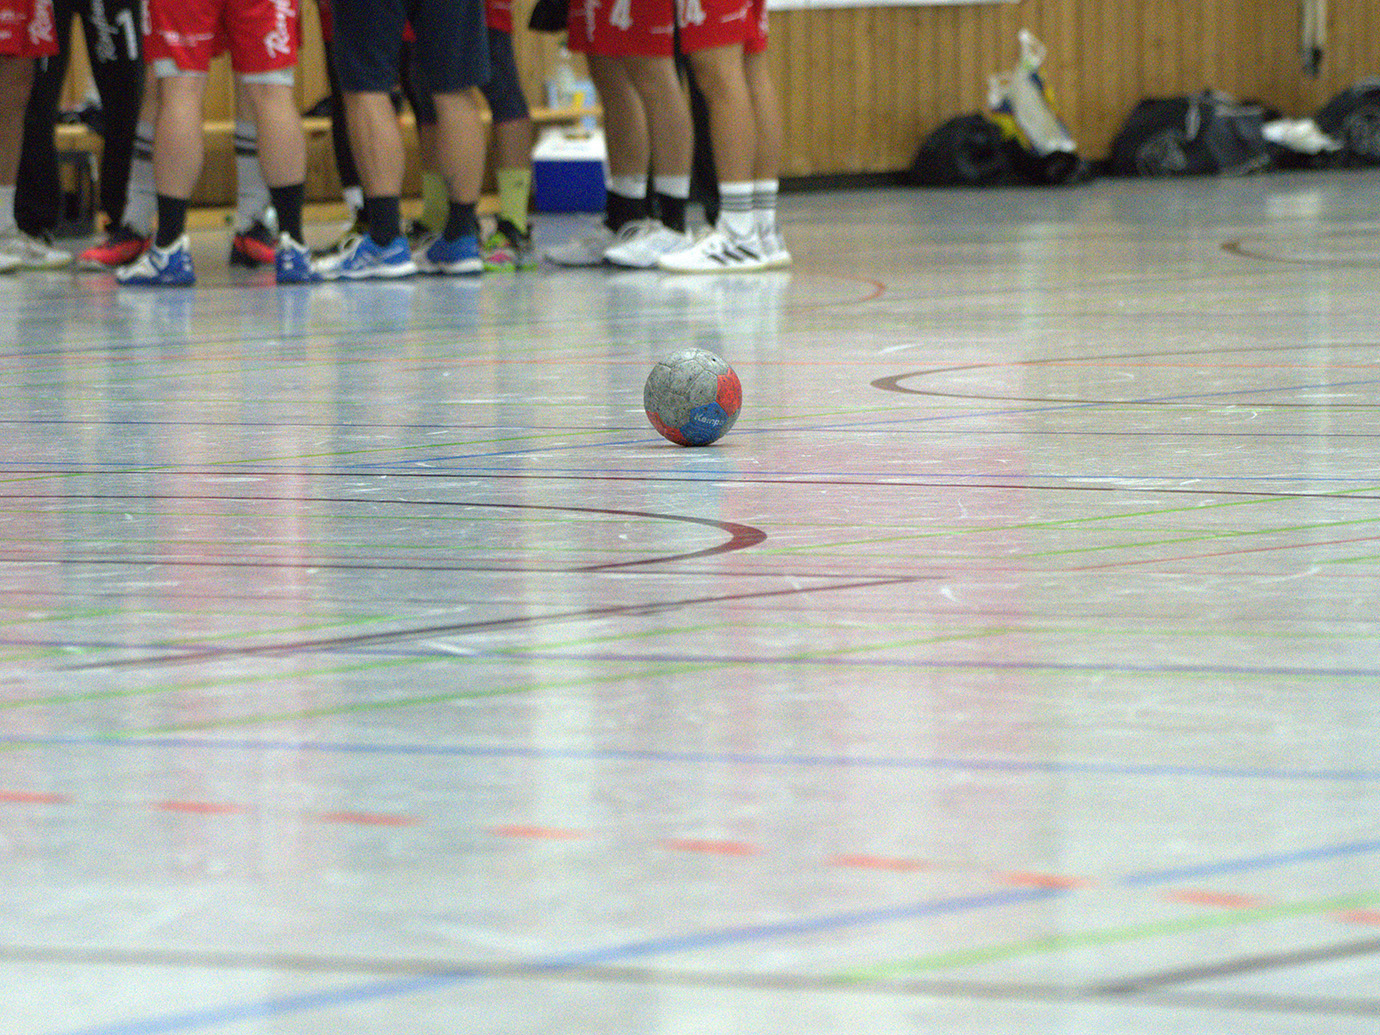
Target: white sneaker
20 251
774 250
583 251
719 252
641 243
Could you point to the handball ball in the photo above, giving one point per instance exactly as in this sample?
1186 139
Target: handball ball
692 397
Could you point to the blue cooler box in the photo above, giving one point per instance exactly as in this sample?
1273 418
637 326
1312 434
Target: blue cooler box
568 170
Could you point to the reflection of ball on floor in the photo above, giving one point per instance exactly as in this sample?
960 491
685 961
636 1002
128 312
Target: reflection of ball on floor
692 397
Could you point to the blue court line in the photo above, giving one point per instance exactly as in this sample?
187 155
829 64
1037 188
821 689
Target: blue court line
1153 878
198 1020
527 753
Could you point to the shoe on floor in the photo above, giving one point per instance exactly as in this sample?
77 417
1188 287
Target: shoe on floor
641 243
582 251
508 249
19 251
459 257
170 266
121 246
719 252
292 262
774 250
253 247
365 259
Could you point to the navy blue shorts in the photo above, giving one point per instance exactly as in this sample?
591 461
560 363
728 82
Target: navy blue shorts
452 48
503 91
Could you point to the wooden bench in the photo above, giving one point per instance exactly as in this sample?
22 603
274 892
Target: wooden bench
217 184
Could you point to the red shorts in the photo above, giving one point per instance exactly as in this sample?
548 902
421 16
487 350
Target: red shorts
27 29
719 23
261 35
623 28
498 14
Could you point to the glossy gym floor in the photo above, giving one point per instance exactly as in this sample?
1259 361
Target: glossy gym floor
370 665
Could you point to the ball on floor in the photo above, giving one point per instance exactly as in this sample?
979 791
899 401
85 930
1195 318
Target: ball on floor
692 397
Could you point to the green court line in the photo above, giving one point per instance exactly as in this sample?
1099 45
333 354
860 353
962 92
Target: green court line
419 700
948 533
87 696
954 958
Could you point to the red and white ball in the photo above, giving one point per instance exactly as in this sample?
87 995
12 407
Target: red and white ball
692 397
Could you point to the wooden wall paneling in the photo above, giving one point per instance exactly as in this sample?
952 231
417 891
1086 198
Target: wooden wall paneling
872 134
789 47
861 87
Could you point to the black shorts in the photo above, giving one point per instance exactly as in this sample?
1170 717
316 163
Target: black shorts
503 91
452 48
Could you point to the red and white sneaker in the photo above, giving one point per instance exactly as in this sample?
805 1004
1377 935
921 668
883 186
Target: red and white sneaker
253 247
120 247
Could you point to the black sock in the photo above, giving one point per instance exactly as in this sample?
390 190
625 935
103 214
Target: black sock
287 202
671 211
384 216
172 220
461 221
620 210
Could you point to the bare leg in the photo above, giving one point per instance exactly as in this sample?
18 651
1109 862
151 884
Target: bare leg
178 146
460 144
767 114
720 73
625 119
376 143
16 80
667 110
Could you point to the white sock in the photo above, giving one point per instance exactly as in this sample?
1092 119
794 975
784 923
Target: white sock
672 186
764 194
735 208
629 186
251 193
141 203
7 225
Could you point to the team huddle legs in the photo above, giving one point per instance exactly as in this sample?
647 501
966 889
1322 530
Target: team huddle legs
444 53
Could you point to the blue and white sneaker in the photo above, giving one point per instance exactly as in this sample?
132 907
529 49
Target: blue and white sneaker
292 262
459 257
365 259
159 267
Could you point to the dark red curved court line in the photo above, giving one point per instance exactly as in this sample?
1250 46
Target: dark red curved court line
194 655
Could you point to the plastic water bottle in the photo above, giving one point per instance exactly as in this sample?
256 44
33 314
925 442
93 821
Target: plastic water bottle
563 87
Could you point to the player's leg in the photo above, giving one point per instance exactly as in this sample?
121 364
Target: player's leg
766 171
38 190
734 245
628 145
115 53
452 60
367 35
255 238
178 151
510 246
29 35
658 87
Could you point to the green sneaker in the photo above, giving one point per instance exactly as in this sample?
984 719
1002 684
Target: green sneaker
508 249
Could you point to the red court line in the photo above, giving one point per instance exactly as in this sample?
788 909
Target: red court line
1361 916
370 819
538 833
201 808
878 862
1214 899
1026 879
32 798
711 847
